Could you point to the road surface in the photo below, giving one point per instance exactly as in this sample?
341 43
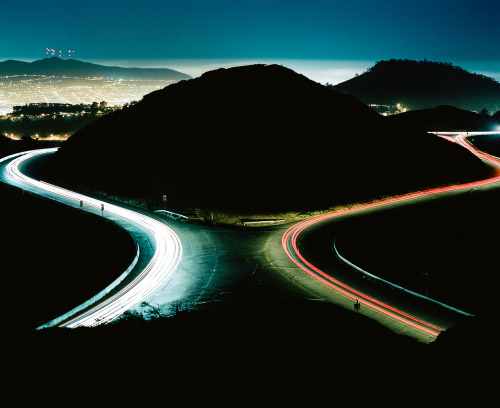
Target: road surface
418 313
225 263
219 264
159 250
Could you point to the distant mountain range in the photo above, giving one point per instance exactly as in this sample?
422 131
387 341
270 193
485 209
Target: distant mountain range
74 68
255 138
423 85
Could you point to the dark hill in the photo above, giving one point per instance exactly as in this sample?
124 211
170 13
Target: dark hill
422 85
75 68
446 118
255 138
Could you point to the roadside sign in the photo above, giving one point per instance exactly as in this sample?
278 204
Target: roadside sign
164 198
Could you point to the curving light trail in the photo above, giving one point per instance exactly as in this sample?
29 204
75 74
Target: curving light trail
164 262
289 240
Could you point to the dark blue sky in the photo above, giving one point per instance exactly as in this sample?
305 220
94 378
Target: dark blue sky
442 30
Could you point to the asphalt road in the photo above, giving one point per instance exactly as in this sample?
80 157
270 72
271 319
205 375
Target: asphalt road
158 248
206 266
309 244
224 264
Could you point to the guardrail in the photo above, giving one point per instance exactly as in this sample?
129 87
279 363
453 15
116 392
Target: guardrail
266 221
95 298
392 284
173 215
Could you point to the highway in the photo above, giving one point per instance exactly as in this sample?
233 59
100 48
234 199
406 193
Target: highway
221 264
159 250
430 323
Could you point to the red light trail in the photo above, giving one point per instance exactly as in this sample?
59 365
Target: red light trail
289 241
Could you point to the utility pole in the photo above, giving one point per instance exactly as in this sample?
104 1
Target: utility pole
426 275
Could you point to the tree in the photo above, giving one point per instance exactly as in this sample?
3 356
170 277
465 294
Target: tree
94 108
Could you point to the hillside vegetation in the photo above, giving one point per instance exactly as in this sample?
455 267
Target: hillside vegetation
423 84
255 138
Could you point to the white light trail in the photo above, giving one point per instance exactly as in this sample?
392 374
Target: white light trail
163 264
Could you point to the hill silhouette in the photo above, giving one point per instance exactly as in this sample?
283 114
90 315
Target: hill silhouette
423 84
446 118
76 68
255 138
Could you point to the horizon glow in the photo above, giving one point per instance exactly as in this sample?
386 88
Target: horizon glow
294 30
319 70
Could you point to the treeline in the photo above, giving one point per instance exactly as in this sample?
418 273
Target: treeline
43 127
44 119
9 146
36 109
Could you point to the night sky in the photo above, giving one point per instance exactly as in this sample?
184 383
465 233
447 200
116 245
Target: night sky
356 30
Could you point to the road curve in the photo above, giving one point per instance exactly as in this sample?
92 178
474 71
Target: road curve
157 262
290 237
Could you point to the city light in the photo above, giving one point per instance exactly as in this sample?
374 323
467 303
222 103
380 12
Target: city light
17 90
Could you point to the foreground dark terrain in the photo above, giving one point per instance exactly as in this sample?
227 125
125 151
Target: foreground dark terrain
294 353
54 257
256 351
445 248
255 139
